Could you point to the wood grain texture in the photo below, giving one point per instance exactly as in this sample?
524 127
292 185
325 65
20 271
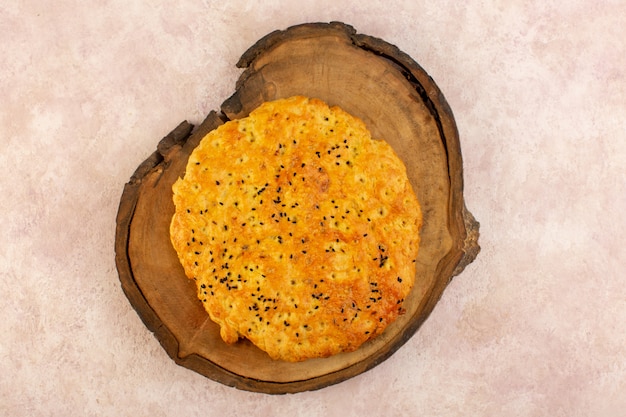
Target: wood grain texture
399 102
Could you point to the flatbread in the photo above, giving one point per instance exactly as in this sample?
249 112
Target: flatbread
300 230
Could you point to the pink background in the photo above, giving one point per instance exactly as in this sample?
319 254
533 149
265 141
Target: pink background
534 327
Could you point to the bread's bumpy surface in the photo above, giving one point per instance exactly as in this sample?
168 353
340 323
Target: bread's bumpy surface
300 231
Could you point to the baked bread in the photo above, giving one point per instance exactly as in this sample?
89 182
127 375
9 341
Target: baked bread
300 230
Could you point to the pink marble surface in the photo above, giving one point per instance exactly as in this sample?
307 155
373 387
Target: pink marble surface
535 327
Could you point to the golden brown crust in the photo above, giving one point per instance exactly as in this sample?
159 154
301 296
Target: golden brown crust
300 231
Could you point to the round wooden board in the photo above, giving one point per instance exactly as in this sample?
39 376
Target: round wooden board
399 102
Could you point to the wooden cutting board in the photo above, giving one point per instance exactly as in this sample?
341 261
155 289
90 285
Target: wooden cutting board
399 102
